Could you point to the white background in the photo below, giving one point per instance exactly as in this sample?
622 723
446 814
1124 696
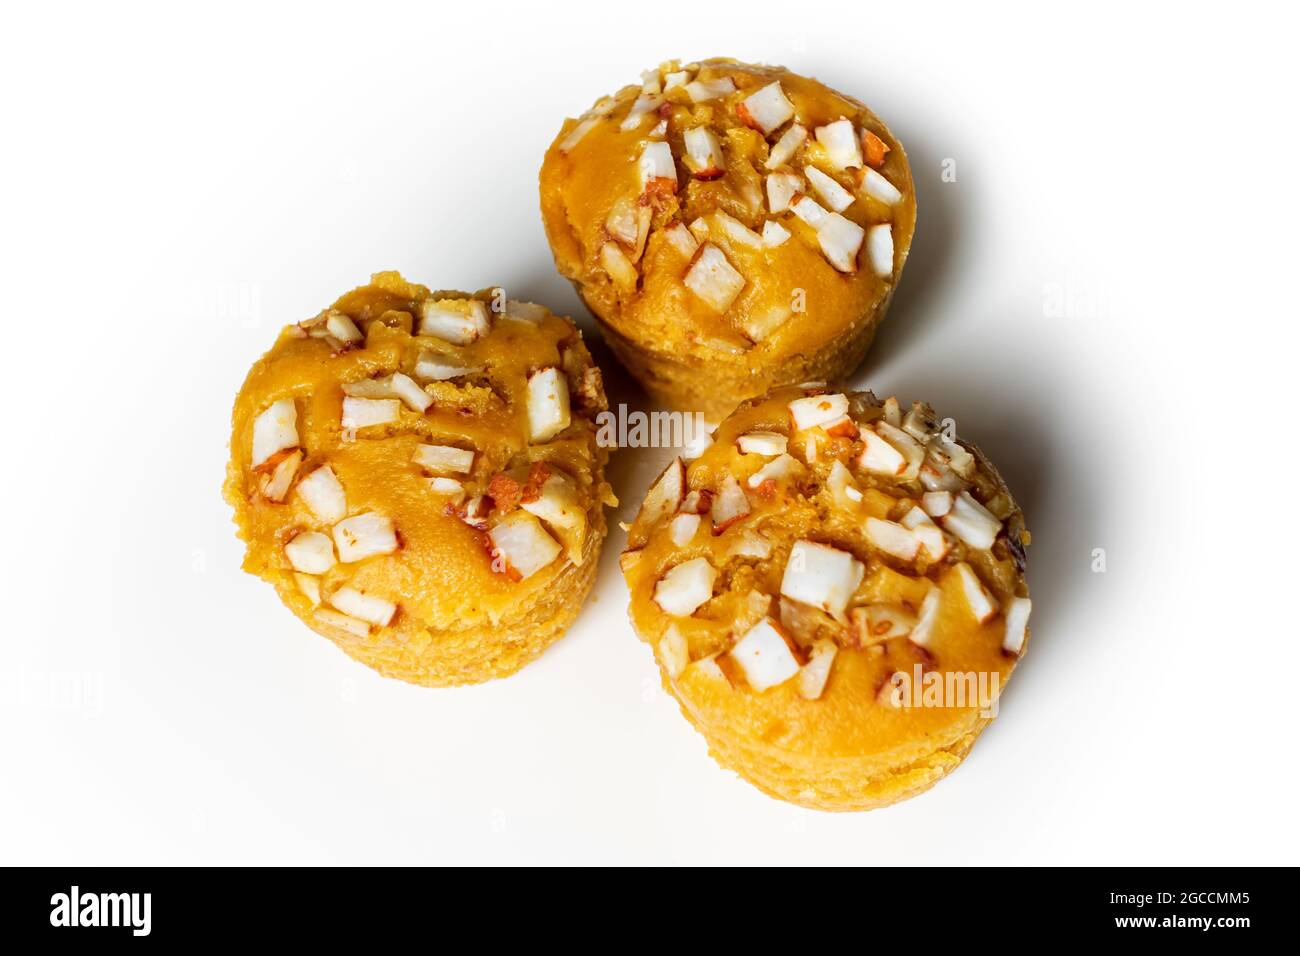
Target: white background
1104 300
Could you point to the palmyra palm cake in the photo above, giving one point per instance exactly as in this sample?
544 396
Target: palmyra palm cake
732 227
418 476
835 594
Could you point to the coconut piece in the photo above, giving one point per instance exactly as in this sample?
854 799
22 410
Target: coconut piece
673 652
434 368
878 187
343 622
923 630
310 552
685 587
766 109
682 529
972 523
363 536
281 479
1016 611
444 458
523 544
831 193
766 656
787 146
365 412
703 153
821 576
729 505
841 144
713 279
701 91
774 234
548 404
274 430
812 411
977 596
364 607
781 190
880 249
665 495
892 538
814 675
762 443
309 585
459 321
322 492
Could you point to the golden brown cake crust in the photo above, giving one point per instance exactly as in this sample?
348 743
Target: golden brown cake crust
774 311
431 498
822 545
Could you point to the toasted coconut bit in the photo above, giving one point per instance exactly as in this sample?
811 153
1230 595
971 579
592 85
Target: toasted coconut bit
459 321
937 503
444 458
342 622
701 91
749 543
813 411
767 109
821 576
414 397
911 450
322 492
781 468
703 153
673 652
448 488
842 488
621 223
618 267
781 190
587 122
729 506
766 656
1017 615
880 249
842 427
523 544
342 328
814 675
656 163
433 368
713 279
762 443
310 552
891 412
363 536
675 79
891 538
665 495
682 529
555 501
309 585
881 622
937 476
274 430
737 231
685 587
474 512
681 239
281 479
364 607
923 630
787 146
364 412
645 104
972 522
548 404
879 188
629 559
840 240
977 597
917 422
774 234
370 388
696 502
925 531
841 144
879 457
831 193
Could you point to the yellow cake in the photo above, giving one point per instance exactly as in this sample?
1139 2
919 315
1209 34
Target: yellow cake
732 227
417 474
835 594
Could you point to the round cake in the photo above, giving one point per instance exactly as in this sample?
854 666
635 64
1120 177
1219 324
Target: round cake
732 227
835 593
417 473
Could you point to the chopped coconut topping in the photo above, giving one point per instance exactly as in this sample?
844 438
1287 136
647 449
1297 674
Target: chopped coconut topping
524 545
729 506
781 189
433 368
767 109
665 495
766 656
459 321
713 279
821 576
365 607
364 536
891 538
832 193
880 249
787 146
977 597
342 327
685 587
879 188
681 239
444 458
310 552
673 652
703 153
778 469
814 675
773 235
657 163
1017 615
548 404
344 622
364 412
275 430
814 410
645 104
682 529
762 443
323 494
926 617
841 144
702 90
972 522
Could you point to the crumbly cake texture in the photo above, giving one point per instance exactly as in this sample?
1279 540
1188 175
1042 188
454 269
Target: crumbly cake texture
417 474
732 227
823 545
